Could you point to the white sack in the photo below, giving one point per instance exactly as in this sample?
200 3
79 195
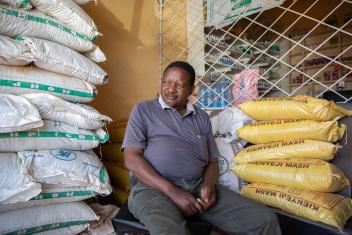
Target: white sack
54 57
24 4
53 135
76 115
51 194
227 152
13 52
71 230
17 114
23 80
69 169
69 13
44 218
16 185
33 23
226 122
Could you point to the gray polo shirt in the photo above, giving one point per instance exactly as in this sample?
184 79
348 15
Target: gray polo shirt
176 146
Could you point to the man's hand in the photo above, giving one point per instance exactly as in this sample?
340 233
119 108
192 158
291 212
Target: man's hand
186 202
207 197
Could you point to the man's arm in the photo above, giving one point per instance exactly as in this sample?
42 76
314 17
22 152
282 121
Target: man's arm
141 169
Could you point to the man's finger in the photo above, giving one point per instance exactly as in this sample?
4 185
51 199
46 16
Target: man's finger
198 206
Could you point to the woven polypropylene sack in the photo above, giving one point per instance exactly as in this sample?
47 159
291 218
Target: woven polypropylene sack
112 152
51 194
44 218
13 52
76 115
225 161
24 80
24 4
332 209
283 130
53 135
33 23
16 185
298 107
70 230
68 169
18 114
288 149
69 13
310 174
57 58
118 173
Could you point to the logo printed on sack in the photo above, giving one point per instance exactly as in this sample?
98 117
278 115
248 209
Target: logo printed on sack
223 165
63 155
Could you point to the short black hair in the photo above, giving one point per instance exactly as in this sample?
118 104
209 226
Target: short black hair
185 66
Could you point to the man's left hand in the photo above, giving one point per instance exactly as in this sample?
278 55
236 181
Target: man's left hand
207 197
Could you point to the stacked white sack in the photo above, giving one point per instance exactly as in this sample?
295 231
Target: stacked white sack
73 114
18 114
33 23
24 80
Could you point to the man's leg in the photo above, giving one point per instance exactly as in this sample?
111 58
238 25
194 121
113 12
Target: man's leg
236 214
156 211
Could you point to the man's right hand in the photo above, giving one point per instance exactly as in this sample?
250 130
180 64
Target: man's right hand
185 201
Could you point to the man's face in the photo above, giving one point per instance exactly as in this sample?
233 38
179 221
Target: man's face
175 87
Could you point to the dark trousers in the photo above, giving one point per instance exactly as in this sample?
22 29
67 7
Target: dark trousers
231 212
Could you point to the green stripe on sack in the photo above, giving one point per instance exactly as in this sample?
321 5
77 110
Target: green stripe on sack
23 15
47 227
65 194
102 175
25 4
48 134
42 87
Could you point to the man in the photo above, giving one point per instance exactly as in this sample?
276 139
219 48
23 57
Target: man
171 152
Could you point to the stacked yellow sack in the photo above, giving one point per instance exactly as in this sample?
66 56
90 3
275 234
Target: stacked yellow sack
327 208
114 162
299 107
293 140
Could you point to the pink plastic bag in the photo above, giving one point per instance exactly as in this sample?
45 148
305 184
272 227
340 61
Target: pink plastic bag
245 86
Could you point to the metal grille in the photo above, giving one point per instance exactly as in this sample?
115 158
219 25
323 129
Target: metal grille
296 47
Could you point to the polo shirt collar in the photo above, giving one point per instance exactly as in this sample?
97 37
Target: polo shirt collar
189 106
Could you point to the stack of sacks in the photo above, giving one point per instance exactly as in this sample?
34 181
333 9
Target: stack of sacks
287 167
46 141
114 162
224 124
45 183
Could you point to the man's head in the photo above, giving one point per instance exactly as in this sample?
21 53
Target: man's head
177 84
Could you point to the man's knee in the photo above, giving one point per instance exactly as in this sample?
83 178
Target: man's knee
268 222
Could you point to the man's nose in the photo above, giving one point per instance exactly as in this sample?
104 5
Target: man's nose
171 88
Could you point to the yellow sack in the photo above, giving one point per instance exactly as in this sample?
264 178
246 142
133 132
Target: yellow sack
328 208
282 130
298 107
118 173
120 195
310 174
117 132
112 152
288 149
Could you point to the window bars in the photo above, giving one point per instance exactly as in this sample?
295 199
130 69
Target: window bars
284 47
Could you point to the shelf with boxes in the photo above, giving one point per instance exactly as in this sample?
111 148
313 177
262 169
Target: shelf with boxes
225 58
329 63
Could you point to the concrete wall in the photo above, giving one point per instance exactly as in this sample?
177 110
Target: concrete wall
130 41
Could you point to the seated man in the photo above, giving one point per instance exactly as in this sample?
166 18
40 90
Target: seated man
171 152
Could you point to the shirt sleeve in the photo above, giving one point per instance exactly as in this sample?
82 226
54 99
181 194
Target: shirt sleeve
136 131
213 150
